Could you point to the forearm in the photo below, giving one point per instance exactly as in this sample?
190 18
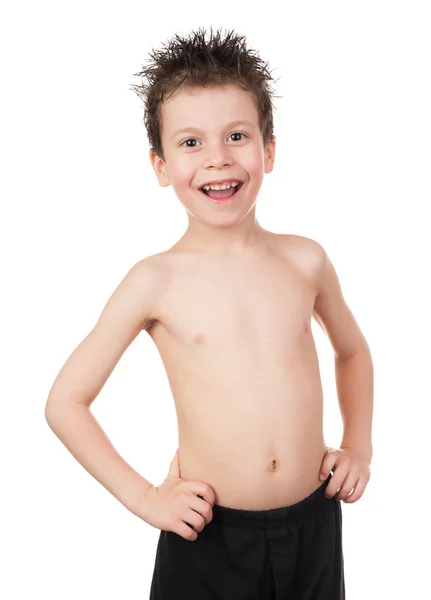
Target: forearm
77 428
355 388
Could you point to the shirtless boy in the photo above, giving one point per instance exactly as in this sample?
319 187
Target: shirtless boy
251 506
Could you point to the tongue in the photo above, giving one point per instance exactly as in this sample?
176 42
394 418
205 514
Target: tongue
221 193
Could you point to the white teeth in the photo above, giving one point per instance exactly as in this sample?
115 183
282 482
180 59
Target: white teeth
224 186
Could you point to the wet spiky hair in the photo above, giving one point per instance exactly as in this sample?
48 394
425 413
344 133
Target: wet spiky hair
194 61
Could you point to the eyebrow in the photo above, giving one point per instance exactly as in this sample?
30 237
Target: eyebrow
196 130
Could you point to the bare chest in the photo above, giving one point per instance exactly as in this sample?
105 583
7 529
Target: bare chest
259 307
236 343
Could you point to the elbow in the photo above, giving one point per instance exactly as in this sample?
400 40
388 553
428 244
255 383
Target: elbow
51 409
54 409
57 408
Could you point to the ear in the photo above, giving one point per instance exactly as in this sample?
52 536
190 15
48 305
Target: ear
160 169
270 155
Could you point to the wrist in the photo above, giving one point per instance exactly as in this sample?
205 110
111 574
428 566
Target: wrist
365 452
135 499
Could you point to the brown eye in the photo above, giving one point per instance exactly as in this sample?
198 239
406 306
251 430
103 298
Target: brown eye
189 140
237 133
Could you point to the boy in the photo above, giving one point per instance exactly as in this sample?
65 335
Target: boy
243 512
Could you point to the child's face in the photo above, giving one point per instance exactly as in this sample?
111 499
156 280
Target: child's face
211 152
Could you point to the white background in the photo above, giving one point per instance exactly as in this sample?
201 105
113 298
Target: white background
80 205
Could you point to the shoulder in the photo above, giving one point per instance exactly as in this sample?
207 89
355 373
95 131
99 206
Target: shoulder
141 289
151 272
303 244
157 273
305 252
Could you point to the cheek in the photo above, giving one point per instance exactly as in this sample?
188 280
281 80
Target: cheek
182 172
253 161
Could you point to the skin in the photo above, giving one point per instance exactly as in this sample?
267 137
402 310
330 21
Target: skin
214 154
229 308
232 323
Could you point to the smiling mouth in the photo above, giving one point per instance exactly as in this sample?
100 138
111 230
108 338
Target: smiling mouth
222 195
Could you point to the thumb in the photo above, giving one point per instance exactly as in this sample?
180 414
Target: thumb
174 469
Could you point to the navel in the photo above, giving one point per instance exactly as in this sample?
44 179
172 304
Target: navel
274 464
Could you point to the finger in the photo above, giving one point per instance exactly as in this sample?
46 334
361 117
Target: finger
205 491
328 464
195 520
185 531
174 467
357 492
202 507
336 481
348 484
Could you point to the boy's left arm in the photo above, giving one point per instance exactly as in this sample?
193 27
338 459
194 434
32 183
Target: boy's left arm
355 384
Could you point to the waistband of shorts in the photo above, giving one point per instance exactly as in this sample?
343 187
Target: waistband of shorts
273 517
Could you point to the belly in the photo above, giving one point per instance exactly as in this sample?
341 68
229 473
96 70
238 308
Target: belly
258 448
249 406
258 474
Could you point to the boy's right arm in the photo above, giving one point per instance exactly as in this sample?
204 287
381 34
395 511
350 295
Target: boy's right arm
126 313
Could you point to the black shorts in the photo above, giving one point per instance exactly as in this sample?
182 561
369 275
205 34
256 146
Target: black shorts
287 553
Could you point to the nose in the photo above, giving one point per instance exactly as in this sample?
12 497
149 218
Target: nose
217 156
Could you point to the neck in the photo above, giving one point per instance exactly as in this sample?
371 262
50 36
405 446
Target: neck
234 240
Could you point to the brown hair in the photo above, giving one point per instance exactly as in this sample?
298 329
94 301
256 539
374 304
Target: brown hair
193 61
